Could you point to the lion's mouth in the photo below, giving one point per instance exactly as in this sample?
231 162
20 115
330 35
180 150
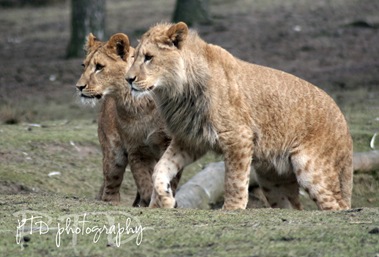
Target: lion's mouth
91 96
136 89
139 90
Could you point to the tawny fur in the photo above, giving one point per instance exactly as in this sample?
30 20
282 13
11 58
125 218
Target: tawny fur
130 130
291 131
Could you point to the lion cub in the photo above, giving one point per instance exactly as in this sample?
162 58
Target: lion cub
130 130
291 131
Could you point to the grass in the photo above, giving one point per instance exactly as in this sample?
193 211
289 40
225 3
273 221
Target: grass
181 232
29 154
31 151
364 123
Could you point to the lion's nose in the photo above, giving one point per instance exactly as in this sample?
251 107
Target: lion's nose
81 87
130 80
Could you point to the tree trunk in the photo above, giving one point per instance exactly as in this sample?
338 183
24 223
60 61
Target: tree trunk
86 16
192 12
207 186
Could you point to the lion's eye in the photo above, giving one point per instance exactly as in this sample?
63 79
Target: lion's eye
83 65
99 67
148 57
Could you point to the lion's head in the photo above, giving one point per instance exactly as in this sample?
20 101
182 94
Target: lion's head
105 66
159 59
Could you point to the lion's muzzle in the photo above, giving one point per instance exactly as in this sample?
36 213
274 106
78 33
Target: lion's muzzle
80 87
130 80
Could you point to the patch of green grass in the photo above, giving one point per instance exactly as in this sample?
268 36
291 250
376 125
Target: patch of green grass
181 232
27 157
30 136
197 166
29 154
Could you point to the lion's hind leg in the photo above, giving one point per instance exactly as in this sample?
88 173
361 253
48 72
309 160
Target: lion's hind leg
320 178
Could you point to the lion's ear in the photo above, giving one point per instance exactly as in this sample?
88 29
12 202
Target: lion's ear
91 39
119 44
177 33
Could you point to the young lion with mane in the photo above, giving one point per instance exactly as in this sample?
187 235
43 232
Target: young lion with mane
291 131
130 130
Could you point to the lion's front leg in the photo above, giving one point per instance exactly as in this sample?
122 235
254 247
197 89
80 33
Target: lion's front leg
173 160
115 160
115 157
114 164
238 150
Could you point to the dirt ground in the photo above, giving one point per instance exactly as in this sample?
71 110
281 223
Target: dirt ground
333 44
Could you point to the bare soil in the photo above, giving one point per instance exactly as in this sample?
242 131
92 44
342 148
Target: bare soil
331 44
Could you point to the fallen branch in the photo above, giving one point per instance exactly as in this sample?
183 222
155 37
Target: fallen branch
203 189
366 162
207 186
